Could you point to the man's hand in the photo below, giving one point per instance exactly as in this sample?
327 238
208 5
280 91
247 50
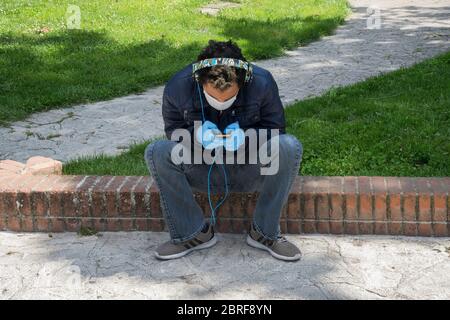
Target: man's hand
206 136
236 138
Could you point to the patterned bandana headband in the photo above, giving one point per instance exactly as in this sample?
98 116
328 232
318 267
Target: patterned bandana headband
231 62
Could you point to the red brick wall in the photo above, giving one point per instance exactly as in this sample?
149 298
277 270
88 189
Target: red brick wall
336 205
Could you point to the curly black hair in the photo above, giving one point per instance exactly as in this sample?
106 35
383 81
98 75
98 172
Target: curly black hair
221 76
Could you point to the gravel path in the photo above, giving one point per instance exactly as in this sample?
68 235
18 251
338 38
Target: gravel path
122 266
409 31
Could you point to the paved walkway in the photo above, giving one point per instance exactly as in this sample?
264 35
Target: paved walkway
410 31
121 266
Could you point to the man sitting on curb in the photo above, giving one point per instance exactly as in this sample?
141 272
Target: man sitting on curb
232 98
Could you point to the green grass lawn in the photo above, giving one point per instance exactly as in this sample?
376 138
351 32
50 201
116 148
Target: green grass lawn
129 163
127 46
397 124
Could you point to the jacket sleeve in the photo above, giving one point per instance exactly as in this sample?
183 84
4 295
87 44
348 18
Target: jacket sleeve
172 116
272 111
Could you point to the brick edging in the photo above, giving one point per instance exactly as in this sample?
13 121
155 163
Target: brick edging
337 205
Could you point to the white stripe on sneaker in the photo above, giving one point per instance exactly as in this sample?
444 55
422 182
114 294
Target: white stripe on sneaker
204 245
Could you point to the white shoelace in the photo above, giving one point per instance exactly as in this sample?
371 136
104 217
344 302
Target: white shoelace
281 239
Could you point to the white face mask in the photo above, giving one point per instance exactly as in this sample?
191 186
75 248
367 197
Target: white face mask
217 104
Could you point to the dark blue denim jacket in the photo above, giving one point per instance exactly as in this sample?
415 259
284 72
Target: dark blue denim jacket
257 104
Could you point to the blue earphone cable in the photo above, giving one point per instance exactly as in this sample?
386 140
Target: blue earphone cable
213 209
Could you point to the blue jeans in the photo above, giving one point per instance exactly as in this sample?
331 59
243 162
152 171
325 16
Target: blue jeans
177 182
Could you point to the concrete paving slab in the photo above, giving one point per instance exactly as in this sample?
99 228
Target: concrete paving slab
122 266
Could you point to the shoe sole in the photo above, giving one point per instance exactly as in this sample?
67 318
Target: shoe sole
256 244
204 245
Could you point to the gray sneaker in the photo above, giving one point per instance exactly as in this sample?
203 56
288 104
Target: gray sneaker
203 240
280 248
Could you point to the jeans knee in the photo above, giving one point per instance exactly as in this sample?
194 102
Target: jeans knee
158 152
291 145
